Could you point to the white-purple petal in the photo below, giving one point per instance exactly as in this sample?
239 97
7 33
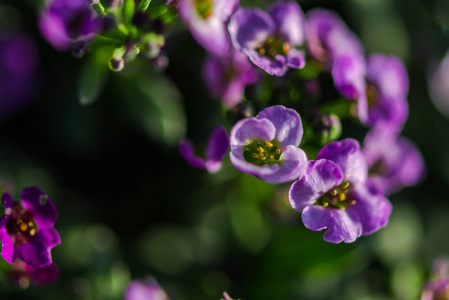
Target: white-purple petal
149 289
290 21
292 163
319 177
251 129
241 164
187 151
347 155
276 66
287 124
296 59
36 252
348 72
342 225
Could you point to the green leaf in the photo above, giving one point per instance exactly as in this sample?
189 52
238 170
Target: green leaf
128 13
153 103
91 82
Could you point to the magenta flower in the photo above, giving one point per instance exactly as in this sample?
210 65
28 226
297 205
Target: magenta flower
266 146
437 288
269 39
149 289
26 231
228 76
207 22
331 194
226 296
328 37
216 149
394 162
64 22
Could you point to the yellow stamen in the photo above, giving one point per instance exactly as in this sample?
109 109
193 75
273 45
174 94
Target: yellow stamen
342 197
345 185
325 204
334 193
23 226
271 157
30 223
262 51
269 144
32 232
286 47
278 151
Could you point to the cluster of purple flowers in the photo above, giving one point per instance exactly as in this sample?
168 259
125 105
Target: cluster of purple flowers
344 188
27 235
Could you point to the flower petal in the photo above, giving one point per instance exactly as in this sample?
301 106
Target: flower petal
7 246
290 21
292 163
216 149
187 151
287 122
251 129
7 200
35 200
348 72
347 155
36 252
296 59
319 177
341 225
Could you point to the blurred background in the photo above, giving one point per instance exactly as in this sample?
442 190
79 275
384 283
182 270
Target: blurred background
129 206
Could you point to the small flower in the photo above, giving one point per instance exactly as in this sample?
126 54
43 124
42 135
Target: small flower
64 22
216 149
207 22
22 274
266 146
226 296
331 194
227 77
393 161
437 288
26 231
328 37
148 289
269 39
387 89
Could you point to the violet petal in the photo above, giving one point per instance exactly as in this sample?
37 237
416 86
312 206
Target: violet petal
35 200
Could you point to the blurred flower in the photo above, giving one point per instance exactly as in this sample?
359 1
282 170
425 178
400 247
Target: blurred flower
331 195
207 22
393 161
226 296
26 229
266 146
148 289
328 37
439 85
18 65
64 22
269 39
387 89
22 274
227 77
216 149
438 287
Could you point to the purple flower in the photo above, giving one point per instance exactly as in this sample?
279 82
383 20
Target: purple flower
18 65
269 39
393 161
266 146
328 37
226 296
227 77
331 194
149 289
64 22
216 149
22 274
207 22
26 231
438 287
387 89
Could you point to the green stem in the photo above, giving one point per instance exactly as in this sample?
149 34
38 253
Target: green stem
143 6
99 9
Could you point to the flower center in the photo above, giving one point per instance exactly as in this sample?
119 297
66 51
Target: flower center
337 197
21 226
372 94
274 46
262 153
203 8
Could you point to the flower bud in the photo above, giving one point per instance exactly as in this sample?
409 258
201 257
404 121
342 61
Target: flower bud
328 129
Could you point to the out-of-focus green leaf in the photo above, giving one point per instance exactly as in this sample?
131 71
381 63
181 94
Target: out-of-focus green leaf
92 79
154 103
128 13
407 281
